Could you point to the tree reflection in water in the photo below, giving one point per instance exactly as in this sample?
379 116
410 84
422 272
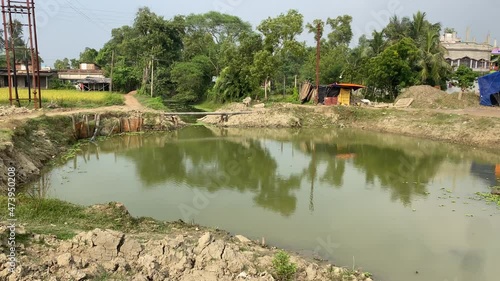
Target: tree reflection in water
199 158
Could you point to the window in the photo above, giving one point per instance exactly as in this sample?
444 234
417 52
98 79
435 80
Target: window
465 61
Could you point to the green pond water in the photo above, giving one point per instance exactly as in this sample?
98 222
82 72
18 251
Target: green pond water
391 205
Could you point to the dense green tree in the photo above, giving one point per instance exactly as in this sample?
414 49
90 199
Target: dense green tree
433 68
89 55
336 59
211 34
464 77
191 78
341 33
62 64
392 69
377 43
280 42
16 33
396 29
75 64
264 67
236 79
150 38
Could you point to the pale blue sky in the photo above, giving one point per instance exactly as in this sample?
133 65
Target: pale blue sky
66 27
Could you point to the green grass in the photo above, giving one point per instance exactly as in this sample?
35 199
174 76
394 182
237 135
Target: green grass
5 135
284 269
63 219
155 103
68 98
208 106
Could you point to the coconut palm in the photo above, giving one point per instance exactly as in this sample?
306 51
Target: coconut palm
433 68
397 29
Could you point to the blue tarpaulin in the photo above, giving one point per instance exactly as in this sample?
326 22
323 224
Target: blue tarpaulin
489 85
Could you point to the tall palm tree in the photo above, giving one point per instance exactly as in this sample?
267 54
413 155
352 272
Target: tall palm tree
377 44
434 69
397 29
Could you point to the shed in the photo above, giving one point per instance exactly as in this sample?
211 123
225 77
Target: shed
341 93
333 94
489 89
94 84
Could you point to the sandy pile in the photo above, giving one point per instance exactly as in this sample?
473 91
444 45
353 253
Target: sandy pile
429 97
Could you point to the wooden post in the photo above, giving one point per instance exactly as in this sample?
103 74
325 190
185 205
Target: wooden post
265 89
74 126
284 85
318 57
112 66
152 75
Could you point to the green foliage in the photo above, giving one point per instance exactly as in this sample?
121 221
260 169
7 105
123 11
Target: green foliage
62 64
341 30
280 32
89 55
465 77
55 217
58 84
284 269
392 69
113 99
155 103
294 98
237 80
134 47
208 106
211 34
192 78
187 51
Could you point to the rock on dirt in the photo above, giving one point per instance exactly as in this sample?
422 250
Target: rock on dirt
13 110
182 254
259 117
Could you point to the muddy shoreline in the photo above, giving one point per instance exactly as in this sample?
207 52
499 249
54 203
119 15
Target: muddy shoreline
447 126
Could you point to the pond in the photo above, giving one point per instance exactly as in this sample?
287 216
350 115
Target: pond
400 208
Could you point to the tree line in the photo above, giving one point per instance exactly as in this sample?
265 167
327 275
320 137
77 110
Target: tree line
220 57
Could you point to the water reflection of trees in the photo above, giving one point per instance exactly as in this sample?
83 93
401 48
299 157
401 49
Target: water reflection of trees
405 175
200 158
195 157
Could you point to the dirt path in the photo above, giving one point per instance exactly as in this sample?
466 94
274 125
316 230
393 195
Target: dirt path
131 104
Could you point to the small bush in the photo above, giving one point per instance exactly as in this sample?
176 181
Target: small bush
284 269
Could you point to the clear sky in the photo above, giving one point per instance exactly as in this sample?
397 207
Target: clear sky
66 27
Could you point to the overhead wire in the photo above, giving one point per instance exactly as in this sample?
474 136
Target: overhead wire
74 8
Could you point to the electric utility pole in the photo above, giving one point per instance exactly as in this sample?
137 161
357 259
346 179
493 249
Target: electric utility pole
318 57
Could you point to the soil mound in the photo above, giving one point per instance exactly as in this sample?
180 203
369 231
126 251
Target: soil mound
429 97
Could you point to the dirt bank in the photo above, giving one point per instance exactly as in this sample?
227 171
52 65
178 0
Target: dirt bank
168 251
481 129
119 247
27 144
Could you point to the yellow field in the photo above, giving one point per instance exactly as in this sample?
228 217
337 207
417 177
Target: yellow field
68 98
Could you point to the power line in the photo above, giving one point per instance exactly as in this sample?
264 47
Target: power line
74 8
